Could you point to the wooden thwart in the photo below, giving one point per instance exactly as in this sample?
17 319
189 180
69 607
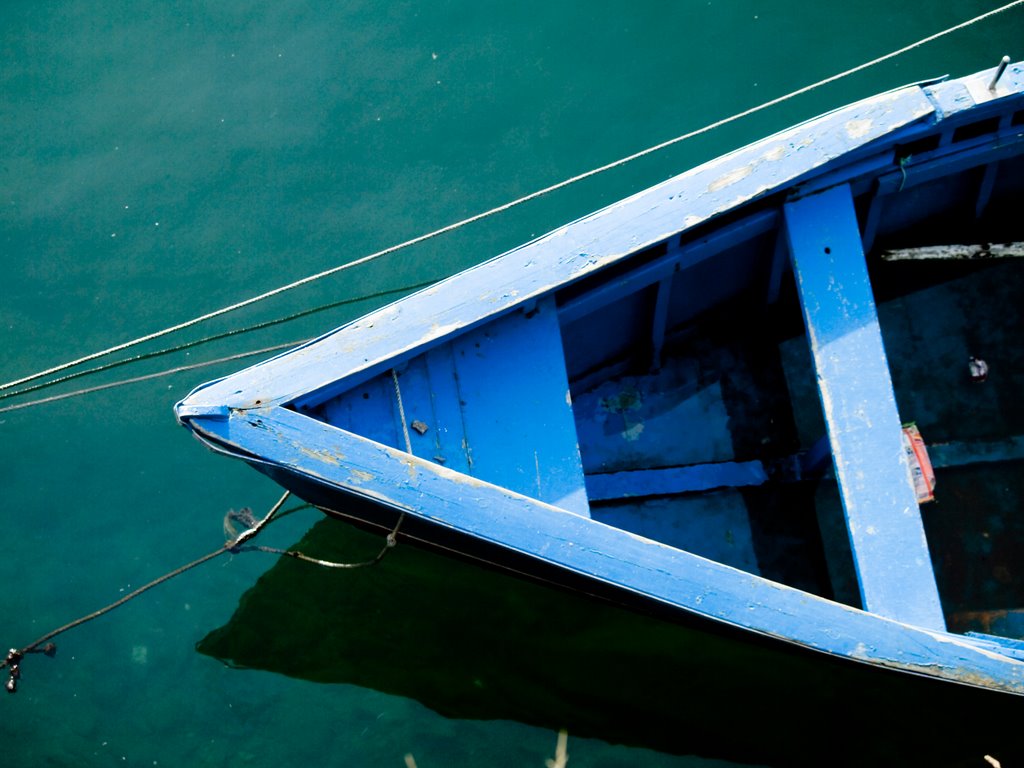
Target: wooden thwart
886 532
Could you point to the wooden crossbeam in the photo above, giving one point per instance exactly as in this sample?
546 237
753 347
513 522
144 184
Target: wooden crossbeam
887 537
667 481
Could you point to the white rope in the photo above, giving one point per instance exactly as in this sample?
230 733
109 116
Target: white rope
401 411
519 201
148 376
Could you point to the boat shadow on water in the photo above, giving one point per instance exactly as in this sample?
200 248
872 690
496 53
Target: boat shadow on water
475 643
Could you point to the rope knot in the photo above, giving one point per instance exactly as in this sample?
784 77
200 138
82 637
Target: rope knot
13 662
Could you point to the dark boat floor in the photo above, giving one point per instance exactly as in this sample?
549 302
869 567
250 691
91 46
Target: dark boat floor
739 386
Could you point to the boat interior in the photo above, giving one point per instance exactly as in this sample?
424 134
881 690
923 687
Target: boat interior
695 371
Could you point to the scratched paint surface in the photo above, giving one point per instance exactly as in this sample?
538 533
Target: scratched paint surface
163 160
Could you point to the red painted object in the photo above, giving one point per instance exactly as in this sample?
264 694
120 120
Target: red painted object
921 472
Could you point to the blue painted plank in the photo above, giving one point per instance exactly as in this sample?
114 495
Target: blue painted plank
727 237
489 513
677 258
780 260
516 410
416 388
626 285
634 422
671 480
492 404
1004 145
450 433
1008 645
659 321
369 409
886 533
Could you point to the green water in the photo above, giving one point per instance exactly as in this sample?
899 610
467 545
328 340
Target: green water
161 160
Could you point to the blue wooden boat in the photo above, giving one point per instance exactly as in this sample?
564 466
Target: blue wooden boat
694 399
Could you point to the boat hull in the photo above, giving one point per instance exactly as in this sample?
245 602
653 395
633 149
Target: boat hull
498 413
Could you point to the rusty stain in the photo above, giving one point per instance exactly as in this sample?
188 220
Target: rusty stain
985 620
938 669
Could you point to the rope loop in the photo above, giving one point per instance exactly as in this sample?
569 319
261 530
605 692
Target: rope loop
235 543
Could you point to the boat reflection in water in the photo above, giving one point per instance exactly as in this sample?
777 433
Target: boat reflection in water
474 643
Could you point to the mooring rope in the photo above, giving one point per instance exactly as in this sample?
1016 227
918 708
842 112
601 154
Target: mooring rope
235 544
392 537
408 445
148 376
401 411
390 541
169 371
514 203
15 656
207 340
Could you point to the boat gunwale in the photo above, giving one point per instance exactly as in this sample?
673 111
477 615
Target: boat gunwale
279 379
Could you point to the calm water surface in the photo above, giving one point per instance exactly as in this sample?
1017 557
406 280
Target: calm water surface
161 160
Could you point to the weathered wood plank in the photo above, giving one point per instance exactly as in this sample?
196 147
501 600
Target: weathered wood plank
671 480
516 410
886 533
965 252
